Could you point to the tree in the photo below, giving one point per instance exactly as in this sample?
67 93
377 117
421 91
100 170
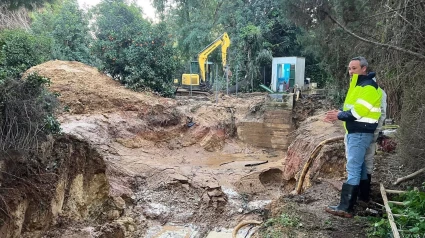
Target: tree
131 49
115 28
43 21
71 38
152 61
67 26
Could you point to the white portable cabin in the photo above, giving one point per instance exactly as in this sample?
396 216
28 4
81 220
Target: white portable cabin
286 72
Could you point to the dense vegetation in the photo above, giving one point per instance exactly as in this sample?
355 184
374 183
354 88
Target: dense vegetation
409 220
27 113
26 107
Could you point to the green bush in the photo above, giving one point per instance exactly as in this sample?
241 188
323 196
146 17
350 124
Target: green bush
68 28
275 227
132 50
19 51
116 26
71 38
410 224
26 112
151 62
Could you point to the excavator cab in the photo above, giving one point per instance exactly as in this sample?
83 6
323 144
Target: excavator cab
199 77
195 79
194 67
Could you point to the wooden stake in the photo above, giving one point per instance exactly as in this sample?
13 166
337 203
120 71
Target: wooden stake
397 203
394 191
390 214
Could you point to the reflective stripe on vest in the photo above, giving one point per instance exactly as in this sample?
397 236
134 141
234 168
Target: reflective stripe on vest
362 119
368 105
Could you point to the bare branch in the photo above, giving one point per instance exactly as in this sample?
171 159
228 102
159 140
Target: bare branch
421 56
410 176
14 18
407 21
393 10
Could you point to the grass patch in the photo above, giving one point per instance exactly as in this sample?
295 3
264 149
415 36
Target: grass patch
277 226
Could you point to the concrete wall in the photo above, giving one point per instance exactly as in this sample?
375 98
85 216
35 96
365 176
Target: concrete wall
273 131
265 135
300 71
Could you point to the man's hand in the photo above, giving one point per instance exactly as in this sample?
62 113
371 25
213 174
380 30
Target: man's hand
331 116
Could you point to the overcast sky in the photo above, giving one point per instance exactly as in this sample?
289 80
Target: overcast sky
148 10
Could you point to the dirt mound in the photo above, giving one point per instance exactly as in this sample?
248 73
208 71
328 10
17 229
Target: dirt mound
83 89
330 162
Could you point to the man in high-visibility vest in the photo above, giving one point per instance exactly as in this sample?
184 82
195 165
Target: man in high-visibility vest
360 114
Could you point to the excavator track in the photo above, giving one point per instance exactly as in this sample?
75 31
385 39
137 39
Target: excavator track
185 92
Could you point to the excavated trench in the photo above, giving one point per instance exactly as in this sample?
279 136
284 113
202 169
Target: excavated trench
180 179
136 165
147 175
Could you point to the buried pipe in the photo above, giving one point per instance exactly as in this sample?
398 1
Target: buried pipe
242 224
311 159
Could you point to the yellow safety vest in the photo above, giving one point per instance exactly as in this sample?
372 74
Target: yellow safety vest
362 105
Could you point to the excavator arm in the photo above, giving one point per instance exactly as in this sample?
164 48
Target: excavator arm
224 41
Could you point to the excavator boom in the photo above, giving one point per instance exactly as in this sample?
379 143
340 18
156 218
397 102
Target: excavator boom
224 41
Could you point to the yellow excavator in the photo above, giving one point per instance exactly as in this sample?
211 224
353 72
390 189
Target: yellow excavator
198 79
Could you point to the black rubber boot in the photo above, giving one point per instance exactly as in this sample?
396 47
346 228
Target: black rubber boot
364 189
348 199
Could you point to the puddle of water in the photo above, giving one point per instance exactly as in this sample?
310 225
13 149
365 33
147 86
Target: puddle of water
170 231
192 231
227 233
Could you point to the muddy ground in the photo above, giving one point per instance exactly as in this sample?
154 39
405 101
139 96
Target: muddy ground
176 167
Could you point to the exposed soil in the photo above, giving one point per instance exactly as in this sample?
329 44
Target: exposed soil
84 89
171 161
66 177
177 168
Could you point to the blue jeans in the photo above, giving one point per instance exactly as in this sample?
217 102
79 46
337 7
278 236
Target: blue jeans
356 146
